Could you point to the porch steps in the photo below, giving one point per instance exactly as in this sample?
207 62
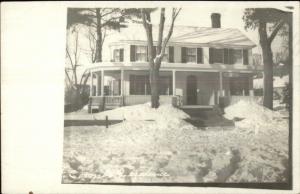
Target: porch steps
207 117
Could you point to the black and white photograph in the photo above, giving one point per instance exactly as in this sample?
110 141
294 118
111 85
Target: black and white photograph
177 95
150 97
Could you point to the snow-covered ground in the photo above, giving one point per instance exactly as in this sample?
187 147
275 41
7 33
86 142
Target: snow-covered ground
160 146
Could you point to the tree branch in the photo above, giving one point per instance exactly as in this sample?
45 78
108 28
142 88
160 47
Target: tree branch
161 29
148 28
70 58
275 31
175 13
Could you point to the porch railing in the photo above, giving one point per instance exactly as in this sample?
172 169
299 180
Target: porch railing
104 102
140 99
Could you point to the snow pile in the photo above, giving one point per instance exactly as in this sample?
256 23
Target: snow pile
251 114
143 112
158 145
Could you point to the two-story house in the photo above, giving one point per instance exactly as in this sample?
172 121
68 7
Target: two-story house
201 64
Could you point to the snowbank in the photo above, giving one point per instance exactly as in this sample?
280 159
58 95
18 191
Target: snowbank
252 115
168 149
143 112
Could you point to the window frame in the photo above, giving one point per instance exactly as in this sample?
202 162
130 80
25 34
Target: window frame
137 48
189 55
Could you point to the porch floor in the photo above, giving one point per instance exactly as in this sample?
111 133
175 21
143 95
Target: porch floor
196 106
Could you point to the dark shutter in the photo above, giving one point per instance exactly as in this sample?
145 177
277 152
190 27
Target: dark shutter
132 53
245 57
183 54
226 56
199 55
171 54
230 56
121 55
211 55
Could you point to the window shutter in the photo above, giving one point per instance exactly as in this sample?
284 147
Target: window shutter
121 55
132 53
211 54
171 54
245 57
199 55
226 56
183 54
230 56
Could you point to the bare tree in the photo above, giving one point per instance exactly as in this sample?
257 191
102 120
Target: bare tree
76 83
153 58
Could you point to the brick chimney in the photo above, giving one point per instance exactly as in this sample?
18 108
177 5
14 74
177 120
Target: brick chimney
215 20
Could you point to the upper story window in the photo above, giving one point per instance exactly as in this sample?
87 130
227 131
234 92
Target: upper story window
191 55
166 54
228 56
118 55
218 56
140 53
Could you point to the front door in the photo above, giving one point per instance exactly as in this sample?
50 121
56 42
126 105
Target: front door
191 87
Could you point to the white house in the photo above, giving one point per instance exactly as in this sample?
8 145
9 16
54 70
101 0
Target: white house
200 65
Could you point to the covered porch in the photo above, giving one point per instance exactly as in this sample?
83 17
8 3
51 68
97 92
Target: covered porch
110 88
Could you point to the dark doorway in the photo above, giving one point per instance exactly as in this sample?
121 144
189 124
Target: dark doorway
191 90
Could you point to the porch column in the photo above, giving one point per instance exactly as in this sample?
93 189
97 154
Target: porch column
174 82
251 91
221 83
91 84
122 82
102 82
97 84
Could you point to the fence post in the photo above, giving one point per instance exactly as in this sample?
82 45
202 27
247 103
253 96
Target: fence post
106 121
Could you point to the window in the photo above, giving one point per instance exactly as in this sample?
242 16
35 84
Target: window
118 55
139 85
218 56
166 54
141 53
191 55
226 56
237 57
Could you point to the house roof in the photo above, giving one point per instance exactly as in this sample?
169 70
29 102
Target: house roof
191 35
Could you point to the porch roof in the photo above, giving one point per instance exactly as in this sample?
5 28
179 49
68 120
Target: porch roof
173 66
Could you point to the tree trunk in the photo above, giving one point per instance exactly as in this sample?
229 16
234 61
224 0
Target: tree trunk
268 65
154 76
98 57
268 75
